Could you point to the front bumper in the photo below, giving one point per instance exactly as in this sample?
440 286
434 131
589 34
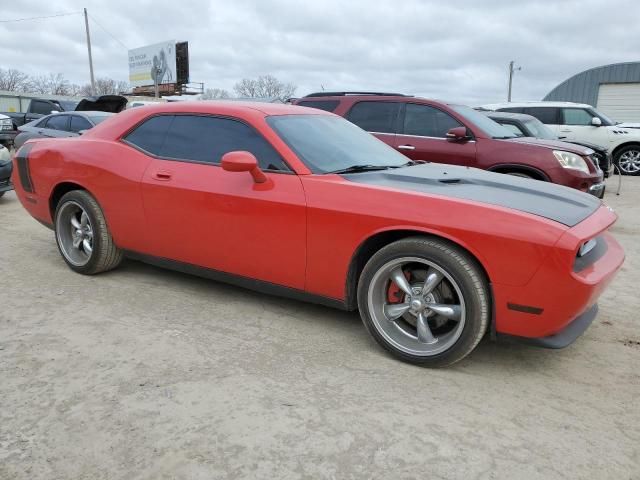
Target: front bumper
564 337
597 189
563 288
5 177
7 136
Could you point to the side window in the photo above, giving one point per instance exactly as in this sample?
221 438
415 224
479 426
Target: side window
515 129
326 105
375 116
58 122
548 115
78 124
426 121
206 139
42 107
150 135
576 116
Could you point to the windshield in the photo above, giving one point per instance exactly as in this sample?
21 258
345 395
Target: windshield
326 143
489 127
606 121
539 129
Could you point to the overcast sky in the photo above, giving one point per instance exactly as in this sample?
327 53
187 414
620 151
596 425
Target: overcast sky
449 50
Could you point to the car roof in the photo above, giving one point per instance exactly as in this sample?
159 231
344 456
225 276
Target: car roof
210 106
508 115
496 106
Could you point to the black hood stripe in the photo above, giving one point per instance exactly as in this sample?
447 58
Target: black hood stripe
555 202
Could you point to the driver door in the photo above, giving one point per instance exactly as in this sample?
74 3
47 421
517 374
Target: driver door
201 215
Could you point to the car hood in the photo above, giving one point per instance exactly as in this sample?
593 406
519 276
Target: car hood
554 202
553 144
102 103
628 125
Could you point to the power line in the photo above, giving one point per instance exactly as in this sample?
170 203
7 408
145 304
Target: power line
38 18
108 32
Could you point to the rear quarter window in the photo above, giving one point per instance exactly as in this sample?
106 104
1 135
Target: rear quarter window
150 135
548 115
374 117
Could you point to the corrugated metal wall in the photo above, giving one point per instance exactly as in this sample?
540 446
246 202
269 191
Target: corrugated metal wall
583 87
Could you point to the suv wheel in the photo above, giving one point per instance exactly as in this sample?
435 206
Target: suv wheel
628 160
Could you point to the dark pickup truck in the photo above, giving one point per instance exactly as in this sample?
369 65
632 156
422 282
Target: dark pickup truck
39 107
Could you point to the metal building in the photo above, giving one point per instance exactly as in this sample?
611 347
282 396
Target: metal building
613 89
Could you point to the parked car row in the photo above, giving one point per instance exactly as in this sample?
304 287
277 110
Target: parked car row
583 123
302 203
434 131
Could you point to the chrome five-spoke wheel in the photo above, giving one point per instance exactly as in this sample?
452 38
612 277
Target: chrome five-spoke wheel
82 234
425 300
416 306
75 234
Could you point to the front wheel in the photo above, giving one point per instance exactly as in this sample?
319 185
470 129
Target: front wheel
628 160
424 300
82 234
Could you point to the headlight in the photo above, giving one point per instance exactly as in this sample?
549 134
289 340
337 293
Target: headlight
571 160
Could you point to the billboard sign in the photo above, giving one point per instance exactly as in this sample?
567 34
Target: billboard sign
151 62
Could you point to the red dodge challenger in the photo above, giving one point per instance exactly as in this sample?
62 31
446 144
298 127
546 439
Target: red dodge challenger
299 202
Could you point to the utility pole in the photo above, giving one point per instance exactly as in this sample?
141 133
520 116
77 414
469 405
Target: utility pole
86 26
512 70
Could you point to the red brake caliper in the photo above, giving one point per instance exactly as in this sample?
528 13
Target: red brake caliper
394 294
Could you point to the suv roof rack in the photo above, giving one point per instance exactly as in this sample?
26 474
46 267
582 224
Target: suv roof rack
344 94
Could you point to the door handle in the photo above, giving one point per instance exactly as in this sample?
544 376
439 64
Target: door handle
566 131
161 175
406 147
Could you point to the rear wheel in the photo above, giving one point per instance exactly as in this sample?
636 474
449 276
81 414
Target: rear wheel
82 234
424 300
2 194
628 160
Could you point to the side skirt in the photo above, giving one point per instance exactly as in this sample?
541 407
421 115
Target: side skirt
238 280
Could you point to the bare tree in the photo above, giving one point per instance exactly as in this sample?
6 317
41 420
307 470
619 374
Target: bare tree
13 80
265 86
214 94
52 84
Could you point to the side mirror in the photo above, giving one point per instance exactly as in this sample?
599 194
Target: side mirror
457 134
82 132
596 122
241 161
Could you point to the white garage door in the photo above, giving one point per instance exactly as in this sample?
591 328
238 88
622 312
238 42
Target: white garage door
620 101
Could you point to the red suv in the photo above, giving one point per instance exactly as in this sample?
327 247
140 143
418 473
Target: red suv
441 132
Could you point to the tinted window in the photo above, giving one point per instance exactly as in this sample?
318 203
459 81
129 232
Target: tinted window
43 108
576 116
79 123
207 139
427 121
326 105
326 143
151 134
548 115
375 116
58 122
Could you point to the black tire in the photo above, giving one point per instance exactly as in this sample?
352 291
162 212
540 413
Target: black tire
105 254
633 168
2 194
462 269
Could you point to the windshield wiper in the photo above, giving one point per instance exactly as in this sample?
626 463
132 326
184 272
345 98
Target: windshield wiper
504 138
362 168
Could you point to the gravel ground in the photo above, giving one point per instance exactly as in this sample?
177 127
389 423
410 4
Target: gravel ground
143 373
